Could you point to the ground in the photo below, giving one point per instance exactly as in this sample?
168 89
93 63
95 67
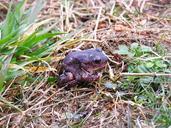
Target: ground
91 23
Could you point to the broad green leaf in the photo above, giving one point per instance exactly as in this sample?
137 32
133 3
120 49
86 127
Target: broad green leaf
145 48
123 50
149 64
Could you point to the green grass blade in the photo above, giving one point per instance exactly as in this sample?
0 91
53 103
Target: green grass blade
13 19
35 10
33 40
8 38
4 70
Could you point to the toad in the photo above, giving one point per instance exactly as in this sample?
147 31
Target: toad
82 66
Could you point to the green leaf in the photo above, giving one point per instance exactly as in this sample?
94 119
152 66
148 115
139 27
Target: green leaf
110 85
145 48
146 80
13 32
8 38
149 64
52 79
134 45
32 40
13 19
4 70
123 50
8 25
19 9
41 51
143 69
160 64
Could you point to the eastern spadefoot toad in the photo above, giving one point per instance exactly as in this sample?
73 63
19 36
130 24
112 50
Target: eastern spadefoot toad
82 66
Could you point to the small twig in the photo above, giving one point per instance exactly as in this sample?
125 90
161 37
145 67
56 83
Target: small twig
10 104
92 40
158 57
142 6
3 6
145 74
8 87
97 22
55 104
129 116
36 88
113 7
7 125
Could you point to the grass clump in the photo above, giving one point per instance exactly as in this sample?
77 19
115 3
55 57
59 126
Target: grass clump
148 77
23 42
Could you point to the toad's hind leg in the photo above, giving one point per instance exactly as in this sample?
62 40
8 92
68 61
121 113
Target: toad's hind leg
65 77
90 77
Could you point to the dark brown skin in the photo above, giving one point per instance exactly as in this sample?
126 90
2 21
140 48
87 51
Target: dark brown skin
82 66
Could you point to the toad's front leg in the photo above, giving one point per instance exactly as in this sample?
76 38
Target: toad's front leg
67 78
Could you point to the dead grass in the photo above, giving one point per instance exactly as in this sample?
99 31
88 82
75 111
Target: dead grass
89 23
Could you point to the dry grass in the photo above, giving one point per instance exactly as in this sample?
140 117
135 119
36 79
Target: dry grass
89 23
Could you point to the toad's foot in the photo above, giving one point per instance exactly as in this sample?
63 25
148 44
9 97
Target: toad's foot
65 77
90 77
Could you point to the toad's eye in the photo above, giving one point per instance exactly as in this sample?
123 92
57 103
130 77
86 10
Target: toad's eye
97 60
